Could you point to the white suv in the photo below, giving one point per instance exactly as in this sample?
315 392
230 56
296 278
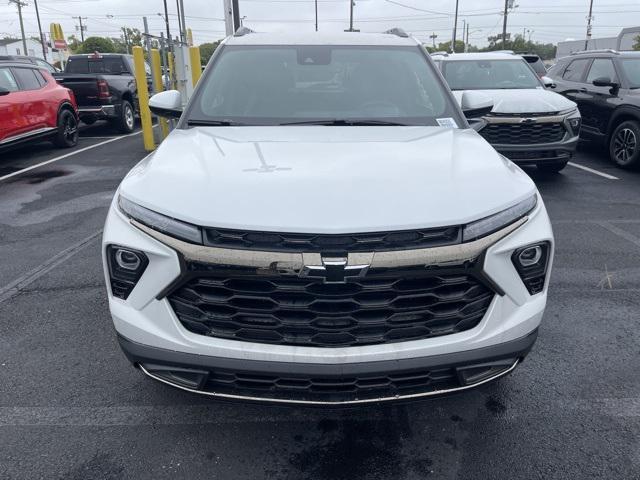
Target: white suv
528 124
323 227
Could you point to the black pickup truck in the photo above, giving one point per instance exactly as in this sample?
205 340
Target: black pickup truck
104 86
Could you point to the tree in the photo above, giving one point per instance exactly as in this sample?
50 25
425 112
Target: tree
446 47
206 51
73 43
636 46
97 44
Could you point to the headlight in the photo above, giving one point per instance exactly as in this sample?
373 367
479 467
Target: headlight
488 225
170 226
574 120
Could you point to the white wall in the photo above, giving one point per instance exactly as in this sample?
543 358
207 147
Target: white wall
34 49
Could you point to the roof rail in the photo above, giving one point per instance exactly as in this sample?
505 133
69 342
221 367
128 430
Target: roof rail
601 50
242 31
441 52
397 32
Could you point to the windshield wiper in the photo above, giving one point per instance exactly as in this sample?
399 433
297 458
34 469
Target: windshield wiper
347 122
213 123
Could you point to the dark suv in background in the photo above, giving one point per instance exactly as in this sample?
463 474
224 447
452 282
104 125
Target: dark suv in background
606 86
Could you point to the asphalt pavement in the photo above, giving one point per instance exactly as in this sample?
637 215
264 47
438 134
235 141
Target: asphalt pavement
71 406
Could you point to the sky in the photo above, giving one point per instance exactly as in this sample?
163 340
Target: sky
545 21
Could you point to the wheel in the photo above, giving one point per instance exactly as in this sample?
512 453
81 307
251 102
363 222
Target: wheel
624 144
552 167
127 120
67 134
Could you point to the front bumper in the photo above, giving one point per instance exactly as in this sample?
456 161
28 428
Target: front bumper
156 339
328 384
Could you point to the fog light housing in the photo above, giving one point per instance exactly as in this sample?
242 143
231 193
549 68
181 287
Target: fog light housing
126 266
532 262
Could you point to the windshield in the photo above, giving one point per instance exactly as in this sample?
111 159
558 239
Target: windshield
489 74
275 85
631 68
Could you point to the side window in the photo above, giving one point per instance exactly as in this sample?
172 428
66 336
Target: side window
26 78
46 66
7 81
575 70
602 67
40 77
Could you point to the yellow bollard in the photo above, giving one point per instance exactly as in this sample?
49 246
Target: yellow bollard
156 71
143 98
196 68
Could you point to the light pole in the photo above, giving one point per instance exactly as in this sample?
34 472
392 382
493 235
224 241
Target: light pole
316 15
589 18
455 28
42 40
433 37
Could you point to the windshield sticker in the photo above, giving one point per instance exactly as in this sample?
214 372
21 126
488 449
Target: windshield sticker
447 122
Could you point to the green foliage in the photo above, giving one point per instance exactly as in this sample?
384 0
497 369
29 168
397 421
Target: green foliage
446 47
636 46
546 51
97 44
206 50
73 43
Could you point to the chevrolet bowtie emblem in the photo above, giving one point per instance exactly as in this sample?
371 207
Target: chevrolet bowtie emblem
334 270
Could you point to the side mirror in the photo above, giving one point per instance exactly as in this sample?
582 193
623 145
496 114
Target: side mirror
548 82
475 104
605 82
4 91
166 104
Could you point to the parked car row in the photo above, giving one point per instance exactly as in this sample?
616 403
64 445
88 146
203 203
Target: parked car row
591 96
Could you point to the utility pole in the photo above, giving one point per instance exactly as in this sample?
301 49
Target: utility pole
316 15
351 3
466 41
42 40
82 27
589 19
228 17
236 15
433 37
180 27
504 25
455 28
21 4
184 25
126 39
166 21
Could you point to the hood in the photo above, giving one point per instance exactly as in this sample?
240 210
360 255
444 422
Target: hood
529 100
316 179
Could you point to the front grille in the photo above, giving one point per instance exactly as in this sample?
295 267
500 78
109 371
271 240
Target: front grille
384 306
535 154
310 242
523 133
335 388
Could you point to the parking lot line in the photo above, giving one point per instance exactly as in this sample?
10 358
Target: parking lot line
61 157
586 169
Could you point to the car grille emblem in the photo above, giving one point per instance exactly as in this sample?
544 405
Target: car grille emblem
334 270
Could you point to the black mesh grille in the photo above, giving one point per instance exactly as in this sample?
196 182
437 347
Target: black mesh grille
337 388
382 307
359 242
523 133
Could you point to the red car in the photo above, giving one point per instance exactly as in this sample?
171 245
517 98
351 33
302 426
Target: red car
33 107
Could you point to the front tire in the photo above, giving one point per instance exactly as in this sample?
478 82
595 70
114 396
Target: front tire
126 122
624 144
67 134
552 167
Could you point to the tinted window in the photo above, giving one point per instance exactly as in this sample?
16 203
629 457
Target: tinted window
40 77
489 74
27 78
602 67
631 69
535 63
106 65
575 70
44 64
7 81
283 84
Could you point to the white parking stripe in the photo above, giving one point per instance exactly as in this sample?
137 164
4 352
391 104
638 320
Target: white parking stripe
95 145
590 170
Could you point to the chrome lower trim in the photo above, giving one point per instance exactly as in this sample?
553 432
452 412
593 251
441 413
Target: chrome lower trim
32 133
343 402
524 119
294 263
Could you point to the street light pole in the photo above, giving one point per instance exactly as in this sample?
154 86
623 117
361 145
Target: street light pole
316 15
42 40
166 21
351 15
455 28
589 18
